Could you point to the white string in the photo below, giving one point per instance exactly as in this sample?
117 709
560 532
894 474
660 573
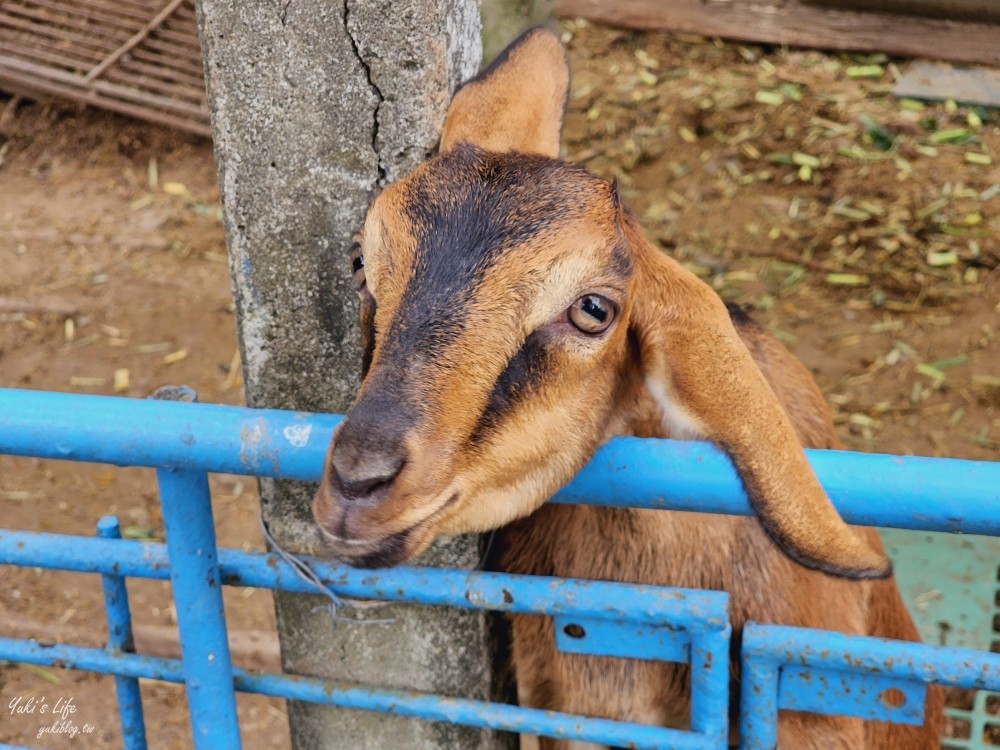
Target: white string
304 571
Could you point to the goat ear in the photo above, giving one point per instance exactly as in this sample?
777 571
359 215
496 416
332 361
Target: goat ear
517 103
707 385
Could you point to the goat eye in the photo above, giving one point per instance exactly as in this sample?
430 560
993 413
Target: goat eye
358 265
592 313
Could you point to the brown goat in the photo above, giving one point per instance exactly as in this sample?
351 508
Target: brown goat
514 317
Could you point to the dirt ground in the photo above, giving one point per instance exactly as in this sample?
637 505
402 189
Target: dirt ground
863 231
113 259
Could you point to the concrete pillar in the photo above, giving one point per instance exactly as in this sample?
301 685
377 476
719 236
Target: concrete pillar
314 106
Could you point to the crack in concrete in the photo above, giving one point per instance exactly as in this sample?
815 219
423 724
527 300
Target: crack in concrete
380 180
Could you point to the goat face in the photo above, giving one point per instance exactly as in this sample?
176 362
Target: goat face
495 290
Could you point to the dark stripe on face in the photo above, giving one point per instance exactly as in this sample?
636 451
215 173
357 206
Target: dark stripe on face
366 319
621 264
467 209
522 375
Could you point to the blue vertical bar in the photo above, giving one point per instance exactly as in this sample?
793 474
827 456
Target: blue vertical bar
185 503
758 694
120 641
710 685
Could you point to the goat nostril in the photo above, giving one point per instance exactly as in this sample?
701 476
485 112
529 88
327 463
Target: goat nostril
361 489
368 477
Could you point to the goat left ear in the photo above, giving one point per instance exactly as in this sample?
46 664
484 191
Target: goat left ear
517 103
707 385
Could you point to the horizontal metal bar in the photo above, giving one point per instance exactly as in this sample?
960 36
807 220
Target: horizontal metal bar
171 62
57 32
177 435
147 98
134 40
957 667
345 695
908 492
897 491
688 608
164 84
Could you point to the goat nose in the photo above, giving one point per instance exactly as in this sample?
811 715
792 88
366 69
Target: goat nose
366 476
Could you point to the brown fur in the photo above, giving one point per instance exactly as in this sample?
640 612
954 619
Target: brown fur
482 398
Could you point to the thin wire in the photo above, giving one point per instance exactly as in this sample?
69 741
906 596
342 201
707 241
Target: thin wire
304 571
486 550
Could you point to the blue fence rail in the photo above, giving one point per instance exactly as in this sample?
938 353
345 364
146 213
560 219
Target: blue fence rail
184 441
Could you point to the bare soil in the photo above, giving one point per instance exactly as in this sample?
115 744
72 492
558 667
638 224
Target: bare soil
845 220
113 258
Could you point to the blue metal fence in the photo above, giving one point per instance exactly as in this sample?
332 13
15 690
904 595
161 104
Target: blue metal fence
184 441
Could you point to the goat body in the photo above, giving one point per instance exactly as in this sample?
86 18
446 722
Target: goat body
694 550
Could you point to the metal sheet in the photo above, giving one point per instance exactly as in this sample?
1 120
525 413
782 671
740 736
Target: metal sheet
590 635
826 691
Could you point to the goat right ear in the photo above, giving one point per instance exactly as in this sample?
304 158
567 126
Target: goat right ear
517 103
707 385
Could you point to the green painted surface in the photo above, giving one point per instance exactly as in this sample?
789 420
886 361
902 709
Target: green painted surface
950 584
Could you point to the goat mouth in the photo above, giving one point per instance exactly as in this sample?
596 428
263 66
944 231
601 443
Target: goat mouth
377 553
387 551
337 541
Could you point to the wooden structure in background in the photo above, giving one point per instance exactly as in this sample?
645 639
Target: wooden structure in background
826 24
981 11
143 58
138 57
